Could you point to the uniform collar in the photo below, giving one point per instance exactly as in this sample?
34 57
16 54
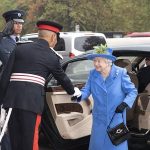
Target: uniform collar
114 72
13 37
43 42
59 55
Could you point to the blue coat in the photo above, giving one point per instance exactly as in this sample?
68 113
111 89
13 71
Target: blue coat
107 95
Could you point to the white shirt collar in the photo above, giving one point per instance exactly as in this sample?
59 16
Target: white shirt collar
13 37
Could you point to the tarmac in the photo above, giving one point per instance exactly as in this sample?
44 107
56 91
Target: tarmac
134 144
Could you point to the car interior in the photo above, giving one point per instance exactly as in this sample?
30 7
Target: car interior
74 120
138 116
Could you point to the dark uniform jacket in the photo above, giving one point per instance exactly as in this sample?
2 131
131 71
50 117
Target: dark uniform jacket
143 78
33 58
7 45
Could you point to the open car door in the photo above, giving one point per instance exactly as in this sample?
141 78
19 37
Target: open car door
69 121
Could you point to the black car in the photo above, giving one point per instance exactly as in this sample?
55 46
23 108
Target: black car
67 125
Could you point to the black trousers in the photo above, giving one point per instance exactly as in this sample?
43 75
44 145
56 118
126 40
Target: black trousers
23 129
5 145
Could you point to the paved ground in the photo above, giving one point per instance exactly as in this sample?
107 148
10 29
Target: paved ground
43 143
138 144
134 144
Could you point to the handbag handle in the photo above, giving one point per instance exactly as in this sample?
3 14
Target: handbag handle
112 120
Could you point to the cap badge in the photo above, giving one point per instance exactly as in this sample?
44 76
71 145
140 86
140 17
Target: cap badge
19 14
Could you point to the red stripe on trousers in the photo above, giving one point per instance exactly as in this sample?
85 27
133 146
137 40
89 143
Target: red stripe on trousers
36 133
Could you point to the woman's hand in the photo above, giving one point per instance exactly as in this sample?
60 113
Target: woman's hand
121 107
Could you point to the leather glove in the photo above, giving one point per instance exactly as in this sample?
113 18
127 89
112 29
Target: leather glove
121 107
77 95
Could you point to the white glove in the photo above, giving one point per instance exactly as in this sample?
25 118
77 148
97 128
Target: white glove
77 95
77 92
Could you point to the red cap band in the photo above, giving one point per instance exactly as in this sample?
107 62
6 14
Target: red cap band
47 27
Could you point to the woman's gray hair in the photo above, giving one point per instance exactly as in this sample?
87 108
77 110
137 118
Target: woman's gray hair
109 62
8 30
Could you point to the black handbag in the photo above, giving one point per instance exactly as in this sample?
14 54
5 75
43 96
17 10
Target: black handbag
119 133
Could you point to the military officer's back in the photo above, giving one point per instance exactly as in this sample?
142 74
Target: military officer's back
23 81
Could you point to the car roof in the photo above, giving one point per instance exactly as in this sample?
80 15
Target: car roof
131 50
127 41
138 34
85 33
127 50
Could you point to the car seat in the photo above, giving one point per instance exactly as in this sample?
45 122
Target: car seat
125 63
147 89
142 112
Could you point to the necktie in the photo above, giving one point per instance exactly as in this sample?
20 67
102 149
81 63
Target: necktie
17 39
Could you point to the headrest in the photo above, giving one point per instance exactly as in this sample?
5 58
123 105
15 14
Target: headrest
124 63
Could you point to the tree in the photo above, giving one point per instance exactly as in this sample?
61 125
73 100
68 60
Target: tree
91 15
4 6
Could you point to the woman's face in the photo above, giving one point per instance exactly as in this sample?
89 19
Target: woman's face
17 28
101 64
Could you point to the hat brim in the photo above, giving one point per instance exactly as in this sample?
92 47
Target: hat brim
93 56
19 20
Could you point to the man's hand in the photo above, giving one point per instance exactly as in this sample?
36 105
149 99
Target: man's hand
121 107
77 95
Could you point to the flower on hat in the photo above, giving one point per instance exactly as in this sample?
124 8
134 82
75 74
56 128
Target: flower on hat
102 51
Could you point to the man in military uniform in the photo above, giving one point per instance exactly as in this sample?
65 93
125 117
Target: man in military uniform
9 36
23 81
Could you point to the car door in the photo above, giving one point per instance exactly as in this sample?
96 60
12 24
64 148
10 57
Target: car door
64 122
73 120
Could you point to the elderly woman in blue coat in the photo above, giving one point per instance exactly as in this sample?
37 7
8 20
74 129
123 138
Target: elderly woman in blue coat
112 91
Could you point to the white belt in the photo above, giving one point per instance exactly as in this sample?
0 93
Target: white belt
27 78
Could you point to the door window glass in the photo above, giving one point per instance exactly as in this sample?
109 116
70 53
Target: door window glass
86 43
78 71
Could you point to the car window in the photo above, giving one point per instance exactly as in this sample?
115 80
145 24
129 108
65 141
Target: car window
34 39
77 72
131 58
60 46
86 43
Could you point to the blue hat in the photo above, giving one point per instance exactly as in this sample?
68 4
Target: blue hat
16 15
102 51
